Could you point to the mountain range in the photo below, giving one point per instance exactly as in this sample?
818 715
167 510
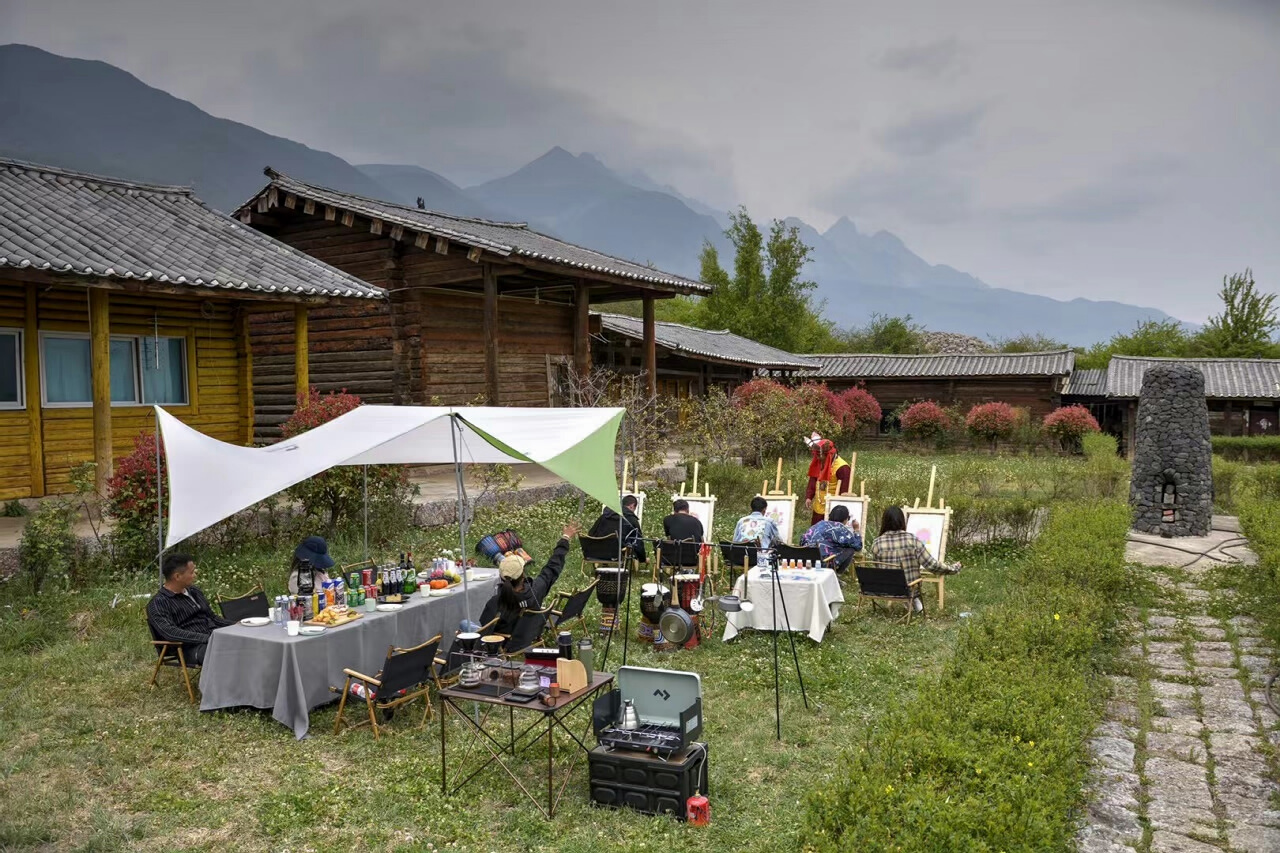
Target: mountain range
94 117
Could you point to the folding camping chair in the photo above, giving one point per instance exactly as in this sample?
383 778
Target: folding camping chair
449 667
804 554
252 603
884 582
528 630
602 552
572 607
407 674
169 653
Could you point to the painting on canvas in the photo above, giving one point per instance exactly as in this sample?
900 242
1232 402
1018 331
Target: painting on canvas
929 528
858 508
783 512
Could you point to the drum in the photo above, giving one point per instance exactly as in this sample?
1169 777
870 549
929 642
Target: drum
492 644
687 590
646 631
611 586
654 598
488 546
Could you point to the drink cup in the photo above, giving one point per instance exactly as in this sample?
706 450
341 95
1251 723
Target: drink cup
292 627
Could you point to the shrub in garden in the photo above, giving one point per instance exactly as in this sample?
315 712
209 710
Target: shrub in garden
1105 474
1248 448
131 503
859 409
925 420
47 547
1266 482
769 419
1069 424
991 421
1227 476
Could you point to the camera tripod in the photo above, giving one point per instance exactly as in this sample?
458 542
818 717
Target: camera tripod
771 558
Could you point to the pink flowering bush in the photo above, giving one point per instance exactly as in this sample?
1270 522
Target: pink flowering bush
1070 424
925 420
992 421
859 409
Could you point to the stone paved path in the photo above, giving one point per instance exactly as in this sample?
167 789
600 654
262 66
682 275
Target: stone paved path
1186 760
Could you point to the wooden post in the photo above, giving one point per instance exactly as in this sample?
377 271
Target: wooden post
933 472
582 329
650 348
31 369
100 378
301 352
491 335
244 374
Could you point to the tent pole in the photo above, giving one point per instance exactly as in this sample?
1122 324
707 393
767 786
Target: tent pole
454 429
159 508
365 471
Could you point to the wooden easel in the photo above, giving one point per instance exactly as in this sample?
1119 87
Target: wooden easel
704 501
775 497
943 510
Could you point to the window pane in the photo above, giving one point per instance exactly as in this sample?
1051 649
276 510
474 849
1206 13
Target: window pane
123 386
10 365
66 370
165 382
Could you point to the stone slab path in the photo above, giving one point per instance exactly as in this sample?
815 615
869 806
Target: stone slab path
1186 760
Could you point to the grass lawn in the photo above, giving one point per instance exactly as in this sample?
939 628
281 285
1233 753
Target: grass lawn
92 760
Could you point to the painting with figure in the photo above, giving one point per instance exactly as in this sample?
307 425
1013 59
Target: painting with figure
857 508
783 513
703 509
929 528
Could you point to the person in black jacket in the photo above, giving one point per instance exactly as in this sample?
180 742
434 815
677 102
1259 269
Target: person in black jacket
680 524
517 593
609 521
180 612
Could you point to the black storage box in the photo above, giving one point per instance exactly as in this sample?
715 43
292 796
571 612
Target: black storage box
646 782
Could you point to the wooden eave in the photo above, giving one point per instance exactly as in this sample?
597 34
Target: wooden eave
191 291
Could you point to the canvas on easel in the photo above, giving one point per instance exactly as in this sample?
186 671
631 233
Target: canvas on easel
634 491
780 506
701 506
859 505
931 525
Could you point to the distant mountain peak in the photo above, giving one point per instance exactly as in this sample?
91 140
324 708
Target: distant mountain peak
843 227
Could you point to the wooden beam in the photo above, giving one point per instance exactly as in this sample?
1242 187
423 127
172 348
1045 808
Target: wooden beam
397 232
100 378
244 373
31 371
246 216
442 246
474 255
491 336
348 218
88 282
309 206
421 240
650 348
290 201
582 328
375 226
330 213
301 353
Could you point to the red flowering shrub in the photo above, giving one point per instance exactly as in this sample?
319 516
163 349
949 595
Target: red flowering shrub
758 392
925 420
992 421
859 409
337 495
770 419
131 491
1069 424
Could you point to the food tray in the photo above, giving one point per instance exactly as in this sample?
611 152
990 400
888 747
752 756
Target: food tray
351 616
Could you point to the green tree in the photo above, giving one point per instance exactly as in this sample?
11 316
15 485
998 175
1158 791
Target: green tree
1029 342
1152 338
1247 325
883 334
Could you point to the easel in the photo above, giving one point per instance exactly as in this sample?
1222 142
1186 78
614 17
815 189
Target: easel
780 505
702 506
858 503
635 488
940 580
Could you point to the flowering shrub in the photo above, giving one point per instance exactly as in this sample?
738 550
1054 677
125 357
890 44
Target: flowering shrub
337 495
132 493
769 419
992 421
1069 424
859 409
925 420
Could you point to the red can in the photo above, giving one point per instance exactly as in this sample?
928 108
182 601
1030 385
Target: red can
698 810
366 577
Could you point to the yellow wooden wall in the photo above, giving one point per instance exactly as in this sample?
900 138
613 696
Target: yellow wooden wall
215 404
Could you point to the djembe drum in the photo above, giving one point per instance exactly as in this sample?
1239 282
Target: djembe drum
654 598
611 592
687 587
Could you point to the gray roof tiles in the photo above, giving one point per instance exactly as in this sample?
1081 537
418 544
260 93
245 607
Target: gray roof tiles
1087 382
1224 378
867 366
723 346
502 238
68 222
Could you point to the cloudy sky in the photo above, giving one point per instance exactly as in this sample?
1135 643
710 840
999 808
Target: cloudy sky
1111 149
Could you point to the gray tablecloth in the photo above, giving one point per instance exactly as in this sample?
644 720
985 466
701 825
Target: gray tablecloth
266 668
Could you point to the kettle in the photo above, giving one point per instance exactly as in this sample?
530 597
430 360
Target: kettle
630 720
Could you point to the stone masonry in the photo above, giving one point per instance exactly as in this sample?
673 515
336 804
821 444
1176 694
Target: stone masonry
1172 486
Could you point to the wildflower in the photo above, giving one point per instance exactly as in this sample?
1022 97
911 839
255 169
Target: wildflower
888 789
1031 744
1056 617
1031 764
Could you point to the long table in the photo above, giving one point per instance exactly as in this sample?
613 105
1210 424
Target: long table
266 668
812 597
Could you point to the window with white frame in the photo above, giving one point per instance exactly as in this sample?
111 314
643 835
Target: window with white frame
144 370
11 390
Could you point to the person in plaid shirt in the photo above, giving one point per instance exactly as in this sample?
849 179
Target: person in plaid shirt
897 548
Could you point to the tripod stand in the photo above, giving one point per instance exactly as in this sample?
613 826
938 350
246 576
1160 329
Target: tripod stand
772 562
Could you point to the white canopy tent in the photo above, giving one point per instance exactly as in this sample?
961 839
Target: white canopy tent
210 480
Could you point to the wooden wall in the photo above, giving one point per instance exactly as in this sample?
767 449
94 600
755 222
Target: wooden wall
678 375
1038 393
215 404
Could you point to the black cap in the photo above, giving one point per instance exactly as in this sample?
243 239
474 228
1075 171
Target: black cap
315 551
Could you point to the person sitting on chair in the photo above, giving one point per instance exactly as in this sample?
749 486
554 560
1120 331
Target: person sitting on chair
900 549
680 524
180 613
757 527
609 522
311 561
837 538
516 593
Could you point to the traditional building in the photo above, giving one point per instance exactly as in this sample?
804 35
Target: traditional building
1032 380
689 360
115 296
478 310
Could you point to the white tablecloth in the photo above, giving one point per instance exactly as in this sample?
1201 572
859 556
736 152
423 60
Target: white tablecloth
813 600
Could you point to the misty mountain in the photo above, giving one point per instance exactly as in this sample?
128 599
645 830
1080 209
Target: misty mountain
94 117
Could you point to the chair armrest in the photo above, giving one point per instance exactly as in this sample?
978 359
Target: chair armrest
440 661
166 642
360 675
915 582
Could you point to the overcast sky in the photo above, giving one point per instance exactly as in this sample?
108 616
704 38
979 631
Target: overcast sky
1112 149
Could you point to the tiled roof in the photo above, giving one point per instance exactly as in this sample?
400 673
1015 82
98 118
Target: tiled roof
67 222
722 346
868 366
1089 382
508 239
1224 378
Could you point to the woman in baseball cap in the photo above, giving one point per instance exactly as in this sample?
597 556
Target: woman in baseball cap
517 593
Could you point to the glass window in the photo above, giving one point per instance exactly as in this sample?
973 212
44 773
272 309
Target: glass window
66 370
10 369
124 385
164 371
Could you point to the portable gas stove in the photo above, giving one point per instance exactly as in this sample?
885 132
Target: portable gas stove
668 705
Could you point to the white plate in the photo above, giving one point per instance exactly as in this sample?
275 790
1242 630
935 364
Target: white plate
255 621
389 608
311 630
436 593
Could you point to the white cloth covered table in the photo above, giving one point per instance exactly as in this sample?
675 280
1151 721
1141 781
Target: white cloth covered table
813 599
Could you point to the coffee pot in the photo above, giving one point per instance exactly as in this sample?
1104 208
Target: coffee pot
630 719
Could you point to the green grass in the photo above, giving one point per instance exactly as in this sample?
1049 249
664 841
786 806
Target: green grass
92 760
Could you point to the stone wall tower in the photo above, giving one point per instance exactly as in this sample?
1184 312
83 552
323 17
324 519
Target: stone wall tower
1171 489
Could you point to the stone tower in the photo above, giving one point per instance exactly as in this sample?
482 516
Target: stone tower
1172 486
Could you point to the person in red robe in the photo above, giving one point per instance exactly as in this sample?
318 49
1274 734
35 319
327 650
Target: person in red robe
829 475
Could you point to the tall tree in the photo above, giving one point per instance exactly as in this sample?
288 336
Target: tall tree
1156 338
884 334
1247 325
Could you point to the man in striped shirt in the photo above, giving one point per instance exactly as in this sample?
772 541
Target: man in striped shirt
180 612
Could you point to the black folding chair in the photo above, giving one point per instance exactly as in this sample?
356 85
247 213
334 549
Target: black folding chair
682 554
573 606
407 674
169 653
528 630
598 551
882 582
252 603
803 554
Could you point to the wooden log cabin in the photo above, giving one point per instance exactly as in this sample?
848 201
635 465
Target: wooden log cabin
1032 380
115 296
689 360
478 310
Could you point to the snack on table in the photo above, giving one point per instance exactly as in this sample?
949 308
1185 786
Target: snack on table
331 616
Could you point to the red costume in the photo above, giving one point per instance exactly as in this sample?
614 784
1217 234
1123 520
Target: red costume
828 476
